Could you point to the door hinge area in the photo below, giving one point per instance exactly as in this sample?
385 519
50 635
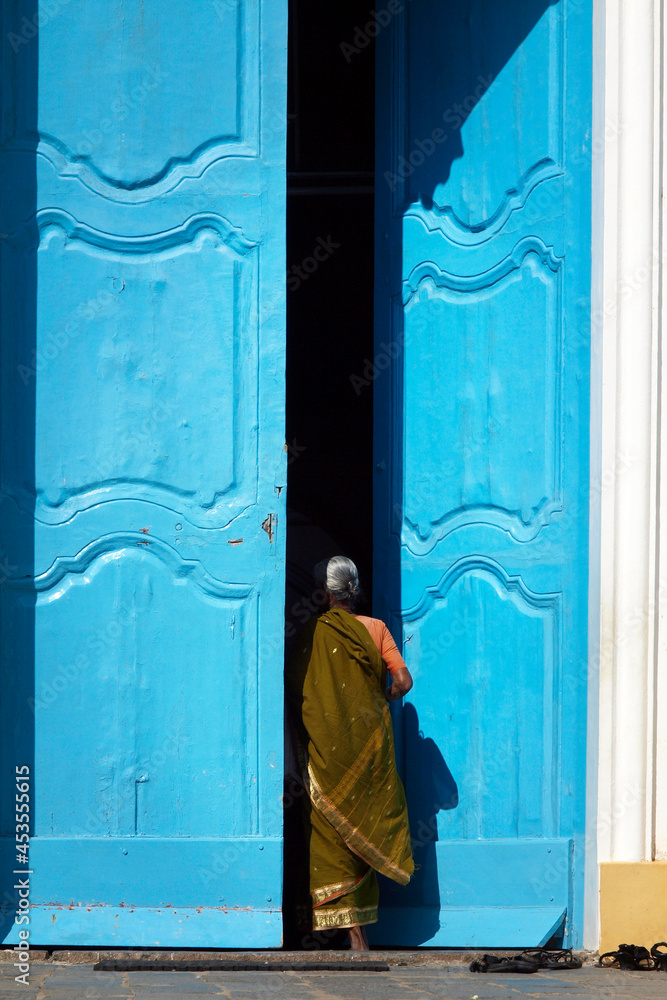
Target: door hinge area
269 525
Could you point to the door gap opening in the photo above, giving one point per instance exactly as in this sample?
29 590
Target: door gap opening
329 419
330 250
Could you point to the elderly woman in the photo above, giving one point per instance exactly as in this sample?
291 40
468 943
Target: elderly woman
355 812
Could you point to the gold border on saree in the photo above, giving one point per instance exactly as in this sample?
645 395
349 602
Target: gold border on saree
334 891
329 892
344 917
353 837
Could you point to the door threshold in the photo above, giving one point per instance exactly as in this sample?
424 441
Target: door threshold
271 958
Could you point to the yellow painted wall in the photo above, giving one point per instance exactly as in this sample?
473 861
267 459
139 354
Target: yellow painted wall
633 903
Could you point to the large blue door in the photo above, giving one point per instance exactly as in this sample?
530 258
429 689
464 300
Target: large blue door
482 417
142 467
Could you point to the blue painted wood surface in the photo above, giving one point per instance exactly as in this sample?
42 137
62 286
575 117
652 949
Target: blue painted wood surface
143 466
482 424
463 887
470 926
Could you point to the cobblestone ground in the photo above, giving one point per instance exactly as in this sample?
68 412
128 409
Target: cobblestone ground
50 981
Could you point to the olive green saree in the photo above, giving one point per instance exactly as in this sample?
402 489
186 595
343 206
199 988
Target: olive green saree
356 813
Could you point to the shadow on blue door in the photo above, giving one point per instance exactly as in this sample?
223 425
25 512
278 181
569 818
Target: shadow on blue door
463 48
430 789
19 366
443 192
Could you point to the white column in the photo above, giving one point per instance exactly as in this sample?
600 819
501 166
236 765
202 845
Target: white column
660 678
591 871
630 477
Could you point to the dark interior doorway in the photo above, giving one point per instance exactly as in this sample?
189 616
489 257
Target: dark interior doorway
330 246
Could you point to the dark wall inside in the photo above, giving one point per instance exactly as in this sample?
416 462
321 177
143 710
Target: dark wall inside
330 158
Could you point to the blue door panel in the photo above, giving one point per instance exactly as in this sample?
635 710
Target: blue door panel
469 905
482 927
481 544
211 899
142 468
503 756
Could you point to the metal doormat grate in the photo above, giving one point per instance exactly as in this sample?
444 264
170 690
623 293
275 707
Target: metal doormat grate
230 965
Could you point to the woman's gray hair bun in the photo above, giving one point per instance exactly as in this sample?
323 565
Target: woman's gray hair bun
339 575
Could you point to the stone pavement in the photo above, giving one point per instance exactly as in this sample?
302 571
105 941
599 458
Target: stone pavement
57 981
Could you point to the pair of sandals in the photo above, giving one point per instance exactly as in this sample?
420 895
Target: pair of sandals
527 961
634 957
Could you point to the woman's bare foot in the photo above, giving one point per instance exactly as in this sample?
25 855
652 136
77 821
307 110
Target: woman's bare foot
358 939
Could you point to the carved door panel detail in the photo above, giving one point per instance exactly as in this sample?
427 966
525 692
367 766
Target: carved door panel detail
481 544
142 416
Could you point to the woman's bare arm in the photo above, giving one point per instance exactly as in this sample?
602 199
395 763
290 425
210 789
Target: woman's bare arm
402 682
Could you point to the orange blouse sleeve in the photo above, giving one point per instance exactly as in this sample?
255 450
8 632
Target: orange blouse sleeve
389 651
382 638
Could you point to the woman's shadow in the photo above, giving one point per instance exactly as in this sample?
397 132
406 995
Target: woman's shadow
412 913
